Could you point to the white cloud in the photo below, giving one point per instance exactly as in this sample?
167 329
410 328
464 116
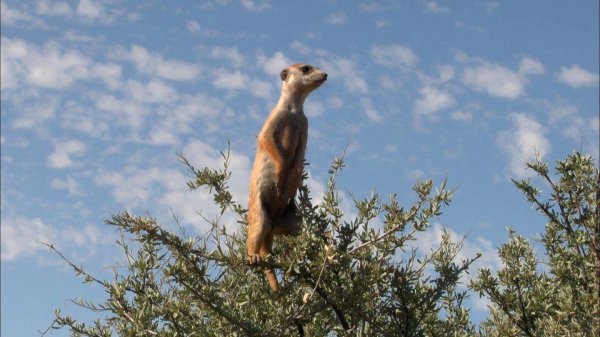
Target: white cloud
256 6
173 113
86 10
84 119
232 55
69 184
390 148
54 8
202 154
224 79
575 76
200 106
10 68
463 116
179 119
300 48
390 83
434 7
491 6
12 16
195 28
154 91
345 70
432 100
431 239
154 64
472 28
317 189
161 135
372 114
481 303
446 72
337 18
73 35
370 7
382 23
236 80
530 66
109 73
55 70
63 152
313 108
90 9
49 66
595 124
21 237
262 89
123 111
275 64
133 187
571 124
575 128
414 174
495 80
136 187
559 112
394 55
522 141
89 236
335 102
34 112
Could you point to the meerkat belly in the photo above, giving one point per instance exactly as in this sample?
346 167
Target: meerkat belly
289 139
264 176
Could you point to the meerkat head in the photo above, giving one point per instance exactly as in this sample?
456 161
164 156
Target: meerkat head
302 78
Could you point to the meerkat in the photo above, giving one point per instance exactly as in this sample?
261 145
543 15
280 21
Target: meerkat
277 171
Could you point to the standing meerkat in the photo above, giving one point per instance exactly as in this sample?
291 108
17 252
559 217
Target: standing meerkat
277 170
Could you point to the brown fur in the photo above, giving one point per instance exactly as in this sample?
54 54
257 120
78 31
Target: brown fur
278 165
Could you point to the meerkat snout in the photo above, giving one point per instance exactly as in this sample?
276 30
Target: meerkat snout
323 76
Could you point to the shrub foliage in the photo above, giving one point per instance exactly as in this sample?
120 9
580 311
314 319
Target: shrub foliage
353 272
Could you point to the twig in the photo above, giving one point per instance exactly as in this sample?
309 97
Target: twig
77 269
48 328
387 233
295 316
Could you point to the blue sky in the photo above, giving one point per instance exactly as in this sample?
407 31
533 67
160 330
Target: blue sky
98 97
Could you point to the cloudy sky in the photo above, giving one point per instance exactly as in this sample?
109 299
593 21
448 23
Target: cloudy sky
98 97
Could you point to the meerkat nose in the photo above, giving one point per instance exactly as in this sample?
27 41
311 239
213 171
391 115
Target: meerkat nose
325 75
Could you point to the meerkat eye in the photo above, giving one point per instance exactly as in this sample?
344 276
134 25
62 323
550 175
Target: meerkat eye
305 69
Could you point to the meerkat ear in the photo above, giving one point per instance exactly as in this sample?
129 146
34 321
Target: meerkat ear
283 74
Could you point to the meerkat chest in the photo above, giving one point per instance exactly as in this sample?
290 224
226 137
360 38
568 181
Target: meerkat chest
291 129
285 129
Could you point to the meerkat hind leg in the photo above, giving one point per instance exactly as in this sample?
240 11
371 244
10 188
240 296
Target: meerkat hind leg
266 249
288 223
260 236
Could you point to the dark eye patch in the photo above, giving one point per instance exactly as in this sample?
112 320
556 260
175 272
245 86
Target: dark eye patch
305 69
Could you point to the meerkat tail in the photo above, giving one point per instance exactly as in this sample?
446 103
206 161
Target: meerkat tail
272 278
